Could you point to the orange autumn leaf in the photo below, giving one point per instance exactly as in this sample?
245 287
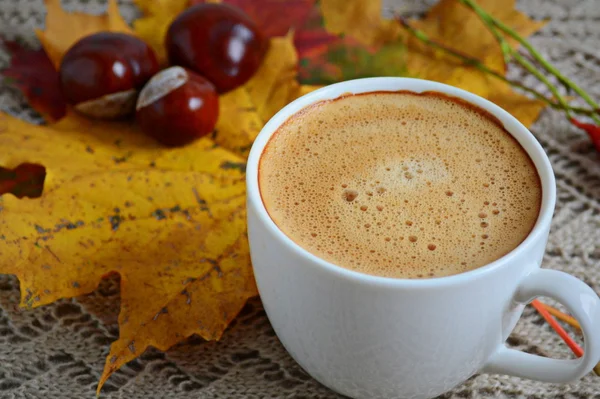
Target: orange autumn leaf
64 28
454 25
171 222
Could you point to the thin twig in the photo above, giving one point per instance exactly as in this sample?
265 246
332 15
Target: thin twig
545 312
561 316
558 328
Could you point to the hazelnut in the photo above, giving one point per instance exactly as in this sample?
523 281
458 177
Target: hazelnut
102 73
177 106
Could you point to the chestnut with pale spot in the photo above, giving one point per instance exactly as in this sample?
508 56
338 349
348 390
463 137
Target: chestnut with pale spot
101 74
177 106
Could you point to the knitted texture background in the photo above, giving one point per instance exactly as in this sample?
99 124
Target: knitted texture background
58 351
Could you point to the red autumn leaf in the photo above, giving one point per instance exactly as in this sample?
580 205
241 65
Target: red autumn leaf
26 180
592 130
328 58
312 40
273 17
34 74
312 43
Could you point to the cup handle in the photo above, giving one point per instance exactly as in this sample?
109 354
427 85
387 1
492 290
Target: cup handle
582 302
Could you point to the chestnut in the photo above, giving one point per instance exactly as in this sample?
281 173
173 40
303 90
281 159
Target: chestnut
218 41
101 74
177 106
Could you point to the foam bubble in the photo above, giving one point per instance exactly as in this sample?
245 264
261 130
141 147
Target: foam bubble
350 195
399 185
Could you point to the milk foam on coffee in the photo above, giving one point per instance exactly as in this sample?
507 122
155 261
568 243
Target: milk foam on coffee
399 184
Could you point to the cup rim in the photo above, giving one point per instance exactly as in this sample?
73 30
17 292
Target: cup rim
391 84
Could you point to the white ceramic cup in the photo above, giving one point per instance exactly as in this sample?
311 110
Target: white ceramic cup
375 337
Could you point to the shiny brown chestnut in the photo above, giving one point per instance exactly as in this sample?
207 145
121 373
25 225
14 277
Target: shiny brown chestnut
102 73
177 106
218 41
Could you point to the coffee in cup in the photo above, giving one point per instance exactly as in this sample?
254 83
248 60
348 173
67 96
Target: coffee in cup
400 184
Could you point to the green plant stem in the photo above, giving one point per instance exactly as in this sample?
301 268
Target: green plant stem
471 61
508 52
532 69
521 40
534 53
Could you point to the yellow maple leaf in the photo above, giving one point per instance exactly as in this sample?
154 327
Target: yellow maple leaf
153 25
171 222
360 19
454 25
272 87
203 298
63 28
